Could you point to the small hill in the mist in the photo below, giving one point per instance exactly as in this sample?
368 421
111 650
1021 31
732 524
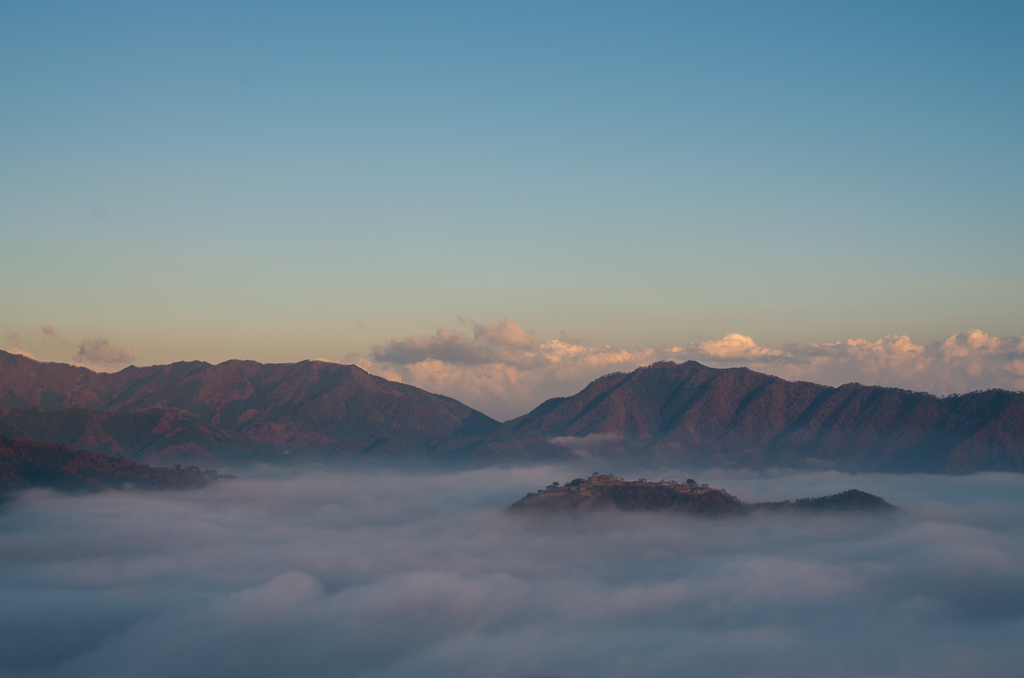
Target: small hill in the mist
690 414
850 500
607 491
599 492
235 410
27 463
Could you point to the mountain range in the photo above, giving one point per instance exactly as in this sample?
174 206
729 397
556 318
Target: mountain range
195 412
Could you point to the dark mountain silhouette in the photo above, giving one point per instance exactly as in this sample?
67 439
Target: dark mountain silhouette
309 409
688 413
27 463
599 492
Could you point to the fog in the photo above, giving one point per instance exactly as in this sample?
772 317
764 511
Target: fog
382 574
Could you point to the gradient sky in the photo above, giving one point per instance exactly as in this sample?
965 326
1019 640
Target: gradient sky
283 181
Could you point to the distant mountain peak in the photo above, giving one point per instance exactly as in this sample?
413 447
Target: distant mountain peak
311 408
690 413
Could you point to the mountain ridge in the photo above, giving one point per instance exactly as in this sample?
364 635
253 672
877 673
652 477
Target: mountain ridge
309 409
678 413
694 414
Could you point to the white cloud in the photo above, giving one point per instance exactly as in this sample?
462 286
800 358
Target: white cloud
99 354
735 346
503 342
20 351
960 363
501 369
505 371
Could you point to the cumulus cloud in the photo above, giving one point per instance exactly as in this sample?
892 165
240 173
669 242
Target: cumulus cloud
394 576
733 346
506 371
501 368
503 342
99 353
963 362
20 351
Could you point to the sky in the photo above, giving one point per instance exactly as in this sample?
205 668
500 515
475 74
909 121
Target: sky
386 575
207 181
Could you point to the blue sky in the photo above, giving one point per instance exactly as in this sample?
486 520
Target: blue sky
279 182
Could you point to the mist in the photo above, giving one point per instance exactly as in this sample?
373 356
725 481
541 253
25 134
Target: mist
321 572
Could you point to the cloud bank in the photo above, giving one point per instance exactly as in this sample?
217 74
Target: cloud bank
397 576
99 354
506 371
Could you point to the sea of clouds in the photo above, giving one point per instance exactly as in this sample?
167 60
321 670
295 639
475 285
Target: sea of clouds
386 574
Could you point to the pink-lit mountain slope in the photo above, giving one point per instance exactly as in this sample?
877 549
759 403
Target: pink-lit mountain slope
309 409
688 413
673 413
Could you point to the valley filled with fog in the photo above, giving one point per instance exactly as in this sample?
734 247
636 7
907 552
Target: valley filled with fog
327 572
